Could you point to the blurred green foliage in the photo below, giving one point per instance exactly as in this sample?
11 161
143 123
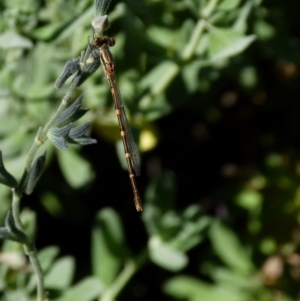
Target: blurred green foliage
211 90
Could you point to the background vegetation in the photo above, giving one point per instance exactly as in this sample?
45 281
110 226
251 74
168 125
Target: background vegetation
211 88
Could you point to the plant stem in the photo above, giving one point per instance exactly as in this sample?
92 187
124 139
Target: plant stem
32 254
40 138
29 250
191 46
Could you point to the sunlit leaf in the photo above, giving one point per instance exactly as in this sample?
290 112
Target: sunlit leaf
186 287
76 170
227 246
61 274
160 77
11 39
226 42
108 246
47 256
228 4
86 290
166 256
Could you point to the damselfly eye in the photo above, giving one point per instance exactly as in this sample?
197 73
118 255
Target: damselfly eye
111 42
96 41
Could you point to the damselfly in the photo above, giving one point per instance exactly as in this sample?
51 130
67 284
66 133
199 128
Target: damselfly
100 23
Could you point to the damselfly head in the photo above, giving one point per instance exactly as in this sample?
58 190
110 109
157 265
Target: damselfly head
100 24
103 40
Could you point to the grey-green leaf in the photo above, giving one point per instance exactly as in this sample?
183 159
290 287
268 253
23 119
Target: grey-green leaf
70 68
59 136
35 173
71 114
5 177
11 232
78 135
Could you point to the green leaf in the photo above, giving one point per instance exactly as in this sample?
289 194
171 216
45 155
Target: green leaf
158 79
151 217
11 39
33 83
87 290
162 190
35 173
166 256
186 287
5 177
229 5
165 37
76 170
46 257
154 107
108 245
61 274
224 43
250 199
16 295
229 278
229 249
264 30
191 233
190 74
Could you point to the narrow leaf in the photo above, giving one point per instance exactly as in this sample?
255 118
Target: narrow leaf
77 135
35 173
11 232
85 140
70 68
79 131
58 136
85 72
61 131
59 142
71 114
5 177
